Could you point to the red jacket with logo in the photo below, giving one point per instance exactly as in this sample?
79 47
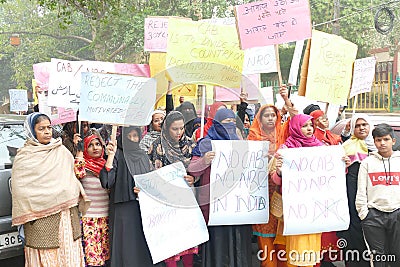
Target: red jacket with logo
378 184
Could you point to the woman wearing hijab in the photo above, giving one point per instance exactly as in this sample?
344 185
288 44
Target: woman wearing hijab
45 198
267 127
211 113
125 159
189 113
70 137
174 146
229 245
357 149
300 135
154 130
95 222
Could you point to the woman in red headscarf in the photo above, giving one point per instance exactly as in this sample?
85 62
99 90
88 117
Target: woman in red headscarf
95 222
321 129
267 126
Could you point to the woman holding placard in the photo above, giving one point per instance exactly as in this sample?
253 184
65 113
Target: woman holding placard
229 245
125 159
174 146
300 135
267 126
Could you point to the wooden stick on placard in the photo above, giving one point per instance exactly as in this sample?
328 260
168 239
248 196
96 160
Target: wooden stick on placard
278 65
203 108
326 108
355 104
114 133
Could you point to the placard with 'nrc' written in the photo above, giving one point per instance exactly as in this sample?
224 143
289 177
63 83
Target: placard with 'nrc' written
273 22
116 99
171 218
239 183
314 190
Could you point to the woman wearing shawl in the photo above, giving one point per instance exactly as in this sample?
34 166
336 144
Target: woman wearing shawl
300 135
174 146
95 222
356 149
228 245
125 159
154 130
45 196
211 113
267 127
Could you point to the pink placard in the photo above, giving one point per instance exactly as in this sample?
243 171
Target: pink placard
273 22
250 84
155 34
64 115
41 73
138 70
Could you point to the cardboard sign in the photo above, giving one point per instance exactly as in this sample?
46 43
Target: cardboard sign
239 183
169 212
314 190
330 52
65 78
363 76
273 22
18 100
294 66
117 99
213 55
259 60
155 34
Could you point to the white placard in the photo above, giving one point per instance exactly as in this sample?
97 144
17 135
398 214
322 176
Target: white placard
171 218
117 99
18 100
294 67
363 75
266 95
259 60
314 190
239 183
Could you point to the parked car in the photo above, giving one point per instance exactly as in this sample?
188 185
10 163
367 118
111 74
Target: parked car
393 119
11 138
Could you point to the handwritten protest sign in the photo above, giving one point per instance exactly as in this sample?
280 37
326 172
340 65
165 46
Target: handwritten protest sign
116 99
65 78
239 183
155 34
169 212
259 60
213 56
273 22
363 76
250 84
294 67
57 115
330 52
18 100
314 190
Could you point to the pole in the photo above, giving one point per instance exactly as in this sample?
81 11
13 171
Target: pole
336 15
203 108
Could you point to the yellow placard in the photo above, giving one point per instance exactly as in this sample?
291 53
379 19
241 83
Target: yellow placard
330 68
201 52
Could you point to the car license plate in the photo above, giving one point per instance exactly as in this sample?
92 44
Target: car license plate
10 240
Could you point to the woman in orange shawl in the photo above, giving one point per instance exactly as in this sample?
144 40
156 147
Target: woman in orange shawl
267 127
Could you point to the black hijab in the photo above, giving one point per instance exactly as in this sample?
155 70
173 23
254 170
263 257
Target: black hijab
189 113
131 160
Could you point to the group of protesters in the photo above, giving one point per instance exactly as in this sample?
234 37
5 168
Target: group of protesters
77 201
